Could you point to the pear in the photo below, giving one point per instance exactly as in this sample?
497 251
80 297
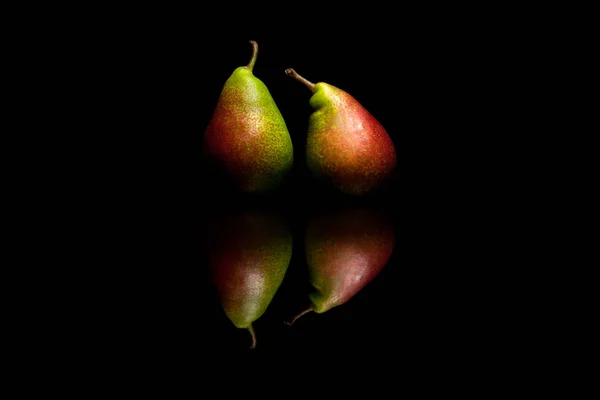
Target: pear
247 137
345 250
248 254
346 146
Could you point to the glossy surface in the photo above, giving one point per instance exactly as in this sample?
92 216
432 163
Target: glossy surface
248 254
345 250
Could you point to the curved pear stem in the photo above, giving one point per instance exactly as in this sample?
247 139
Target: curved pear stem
309 309
296 76
251 330
250 65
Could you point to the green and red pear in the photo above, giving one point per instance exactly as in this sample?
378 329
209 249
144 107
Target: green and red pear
247 139
346 145
345 250
248 255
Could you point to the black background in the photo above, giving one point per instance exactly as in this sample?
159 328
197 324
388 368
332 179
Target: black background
377 318
410 84
433 81
121 201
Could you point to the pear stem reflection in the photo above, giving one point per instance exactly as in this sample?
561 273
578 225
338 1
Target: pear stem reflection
250 65
309 309
296 76
251 330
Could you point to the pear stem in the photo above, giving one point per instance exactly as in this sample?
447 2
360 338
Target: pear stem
251 330
309 309
295 75
250 65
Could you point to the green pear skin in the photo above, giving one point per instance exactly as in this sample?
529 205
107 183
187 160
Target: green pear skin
346 145
247 137
249 254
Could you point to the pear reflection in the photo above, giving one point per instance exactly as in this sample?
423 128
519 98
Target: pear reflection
345 250
249 254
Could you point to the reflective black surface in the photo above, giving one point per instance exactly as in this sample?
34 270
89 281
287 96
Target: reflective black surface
402 303
448 84
359 322
426 300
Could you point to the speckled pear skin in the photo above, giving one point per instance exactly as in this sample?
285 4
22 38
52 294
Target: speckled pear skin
247 137
345 250
249 255
346 144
